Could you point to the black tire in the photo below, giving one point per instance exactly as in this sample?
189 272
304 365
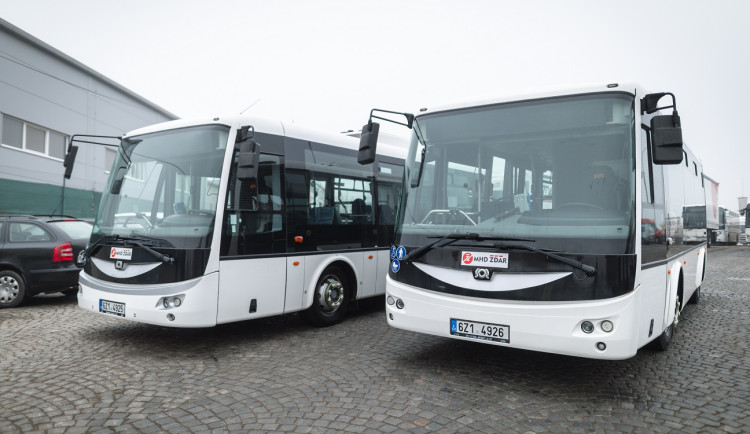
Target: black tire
696 297
331 298
662 342
70 292
12 289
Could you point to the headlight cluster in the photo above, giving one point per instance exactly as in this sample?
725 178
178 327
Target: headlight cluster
606 326
170 302
394 300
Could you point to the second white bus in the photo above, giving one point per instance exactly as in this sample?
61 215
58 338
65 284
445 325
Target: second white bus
551 222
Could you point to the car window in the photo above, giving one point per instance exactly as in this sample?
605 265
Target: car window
27 232
75 229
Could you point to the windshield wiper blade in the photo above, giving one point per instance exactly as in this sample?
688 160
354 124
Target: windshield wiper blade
449 238
90 247
161 256
137 241
588 269
149 241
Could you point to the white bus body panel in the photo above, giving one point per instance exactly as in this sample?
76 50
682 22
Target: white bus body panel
241 281
142 303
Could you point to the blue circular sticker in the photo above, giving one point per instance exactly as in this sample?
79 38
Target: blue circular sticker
393 252
400 252
395 266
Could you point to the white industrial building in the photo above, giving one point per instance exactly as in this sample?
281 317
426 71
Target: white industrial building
45 98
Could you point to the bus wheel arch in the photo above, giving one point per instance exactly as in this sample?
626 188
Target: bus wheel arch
334 290
661 343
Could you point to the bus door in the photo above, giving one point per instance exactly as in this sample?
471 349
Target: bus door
253 265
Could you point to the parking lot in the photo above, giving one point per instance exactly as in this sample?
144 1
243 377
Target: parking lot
66 370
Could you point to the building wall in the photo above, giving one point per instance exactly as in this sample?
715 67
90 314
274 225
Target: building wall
49 91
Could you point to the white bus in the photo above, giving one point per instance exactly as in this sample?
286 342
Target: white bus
551 222
238 218
731 226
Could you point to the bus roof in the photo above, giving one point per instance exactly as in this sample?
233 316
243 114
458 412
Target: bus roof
273 127
627 87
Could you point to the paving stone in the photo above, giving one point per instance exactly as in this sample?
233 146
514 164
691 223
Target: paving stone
65 370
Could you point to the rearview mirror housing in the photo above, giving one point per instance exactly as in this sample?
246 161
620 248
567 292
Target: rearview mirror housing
368 143
247 160
666 139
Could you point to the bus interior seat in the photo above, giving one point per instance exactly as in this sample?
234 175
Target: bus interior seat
386 214
603 186
321 216
360 211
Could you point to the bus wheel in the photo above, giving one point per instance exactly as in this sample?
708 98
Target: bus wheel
331 298
12 289
662 342
696 298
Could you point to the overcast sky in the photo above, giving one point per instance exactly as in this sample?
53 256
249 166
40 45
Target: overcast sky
326 63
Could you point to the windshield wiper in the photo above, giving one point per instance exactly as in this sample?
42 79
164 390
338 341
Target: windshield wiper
447 239
137 241
588 269
450 238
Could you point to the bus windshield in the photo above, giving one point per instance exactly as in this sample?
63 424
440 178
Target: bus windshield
164 187
558 171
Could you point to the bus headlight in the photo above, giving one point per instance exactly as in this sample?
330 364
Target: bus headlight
170 302
607 326
587 327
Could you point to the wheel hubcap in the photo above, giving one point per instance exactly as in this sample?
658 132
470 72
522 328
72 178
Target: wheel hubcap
331 294
8 289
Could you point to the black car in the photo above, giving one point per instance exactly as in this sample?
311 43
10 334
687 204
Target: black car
39 255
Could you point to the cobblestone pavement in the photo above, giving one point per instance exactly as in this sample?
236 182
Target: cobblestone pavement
65 370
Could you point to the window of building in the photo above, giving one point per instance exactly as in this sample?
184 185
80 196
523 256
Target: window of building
34 138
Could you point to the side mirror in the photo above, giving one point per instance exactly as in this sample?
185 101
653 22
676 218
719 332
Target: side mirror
70 159
247 167
368 142
666 139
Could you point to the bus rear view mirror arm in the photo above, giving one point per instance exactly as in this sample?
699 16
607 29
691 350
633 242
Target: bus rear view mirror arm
368 141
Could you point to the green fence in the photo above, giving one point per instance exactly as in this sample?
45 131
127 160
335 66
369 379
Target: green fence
18 197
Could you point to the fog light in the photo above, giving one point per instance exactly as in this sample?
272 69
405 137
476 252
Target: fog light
170 317
601 346
390 315
587 327
607 326
400 303
390 300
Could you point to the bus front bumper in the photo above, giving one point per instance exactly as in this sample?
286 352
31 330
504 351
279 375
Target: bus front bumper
553 327
196 306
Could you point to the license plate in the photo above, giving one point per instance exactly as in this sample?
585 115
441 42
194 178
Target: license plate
112 307
480 330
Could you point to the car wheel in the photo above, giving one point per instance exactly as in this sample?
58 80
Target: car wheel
12 289
331 298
